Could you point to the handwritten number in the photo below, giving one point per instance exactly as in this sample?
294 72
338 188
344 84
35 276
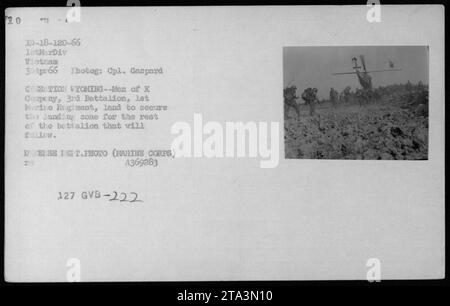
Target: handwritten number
124 197
135 197
114 197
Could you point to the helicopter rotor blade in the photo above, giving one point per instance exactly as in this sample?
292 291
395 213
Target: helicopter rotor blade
384 70
338 73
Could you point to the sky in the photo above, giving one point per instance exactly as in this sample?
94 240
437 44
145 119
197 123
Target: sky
313 66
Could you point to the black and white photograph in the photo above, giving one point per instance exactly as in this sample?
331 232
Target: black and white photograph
356 102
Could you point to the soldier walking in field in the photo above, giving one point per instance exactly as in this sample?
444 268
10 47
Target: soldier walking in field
345 95
290 101
333 97
310 98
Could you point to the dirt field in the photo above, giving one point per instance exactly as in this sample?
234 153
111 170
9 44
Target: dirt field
379 130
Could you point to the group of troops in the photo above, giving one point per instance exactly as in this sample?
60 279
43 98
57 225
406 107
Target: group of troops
309 95
415 95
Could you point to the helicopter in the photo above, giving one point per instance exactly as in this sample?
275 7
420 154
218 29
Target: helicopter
363 76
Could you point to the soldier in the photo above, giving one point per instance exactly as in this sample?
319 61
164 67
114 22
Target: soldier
345 94
290 101
313 100
333 96
310 97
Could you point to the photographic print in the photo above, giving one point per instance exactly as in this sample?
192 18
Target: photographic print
356 102
144 144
